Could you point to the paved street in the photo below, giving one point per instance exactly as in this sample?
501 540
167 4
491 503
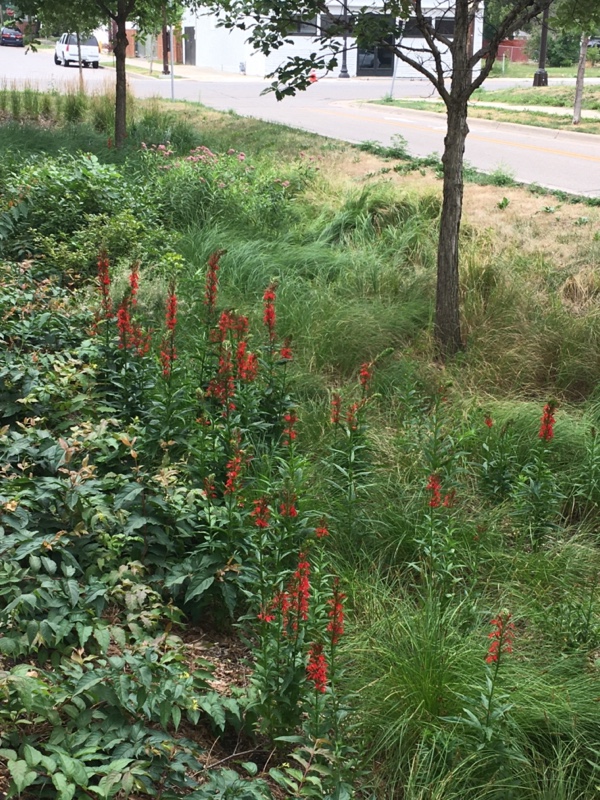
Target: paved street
333 107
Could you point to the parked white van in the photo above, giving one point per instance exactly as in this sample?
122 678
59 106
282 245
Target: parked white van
66 51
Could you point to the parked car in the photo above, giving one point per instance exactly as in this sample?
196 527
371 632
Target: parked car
594 41
66 51
11 36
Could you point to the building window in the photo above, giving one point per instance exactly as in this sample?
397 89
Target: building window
445 26
305 27
336 25
411 31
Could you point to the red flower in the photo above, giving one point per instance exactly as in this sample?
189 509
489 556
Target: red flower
290 418
104 285
286 351
488 420
365 375
300 590
336 408
321 530
168 355
124 323
209 488
435 486
449 499
168 352
212 281
316 669
269 310
502 637
288 506
247 363
222 388
335 626
351 415
134 282
234 469
261 513
547 422
171 311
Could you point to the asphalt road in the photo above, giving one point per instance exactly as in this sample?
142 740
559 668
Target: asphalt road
332 107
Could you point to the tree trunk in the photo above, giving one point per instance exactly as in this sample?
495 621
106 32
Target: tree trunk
580 76
121 87
80 65
447 308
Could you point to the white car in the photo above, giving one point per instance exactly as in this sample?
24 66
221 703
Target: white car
66 51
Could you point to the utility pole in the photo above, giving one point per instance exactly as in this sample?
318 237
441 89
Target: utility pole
540 77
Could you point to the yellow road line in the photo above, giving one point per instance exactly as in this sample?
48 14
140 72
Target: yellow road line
471 136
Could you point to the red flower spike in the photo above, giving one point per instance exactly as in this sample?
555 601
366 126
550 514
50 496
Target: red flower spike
435 487
300 591
212 281
286 351
261 513
321 530
288 506
547 422
488 420
104 286
316 669
335 626
365 375
336 408
269 317
449 499
351 416
502 637
171 311
124 325
289 434
222 388
209 488
134 282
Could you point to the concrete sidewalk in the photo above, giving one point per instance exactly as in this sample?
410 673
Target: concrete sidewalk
559 111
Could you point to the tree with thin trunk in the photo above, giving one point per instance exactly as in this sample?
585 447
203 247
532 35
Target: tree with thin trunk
122 13
582 16
445 58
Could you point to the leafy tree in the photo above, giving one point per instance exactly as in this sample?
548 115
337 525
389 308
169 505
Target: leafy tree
121 13
75 16
583 17
270 23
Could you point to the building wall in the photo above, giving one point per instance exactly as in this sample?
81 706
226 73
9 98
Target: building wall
228 51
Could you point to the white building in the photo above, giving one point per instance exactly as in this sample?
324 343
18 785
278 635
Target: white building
207 45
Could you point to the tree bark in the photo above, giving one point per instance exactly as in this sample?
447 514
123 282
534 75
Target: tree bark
580 76
121 86
80 65
447 310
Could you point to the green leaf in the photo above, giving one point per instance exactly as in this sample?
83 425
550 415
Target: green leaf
49 565
109 785
197 589
21 774
127 495
176 716
282 779
65 790
250 767
74 769
73 592
32 756
102 636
